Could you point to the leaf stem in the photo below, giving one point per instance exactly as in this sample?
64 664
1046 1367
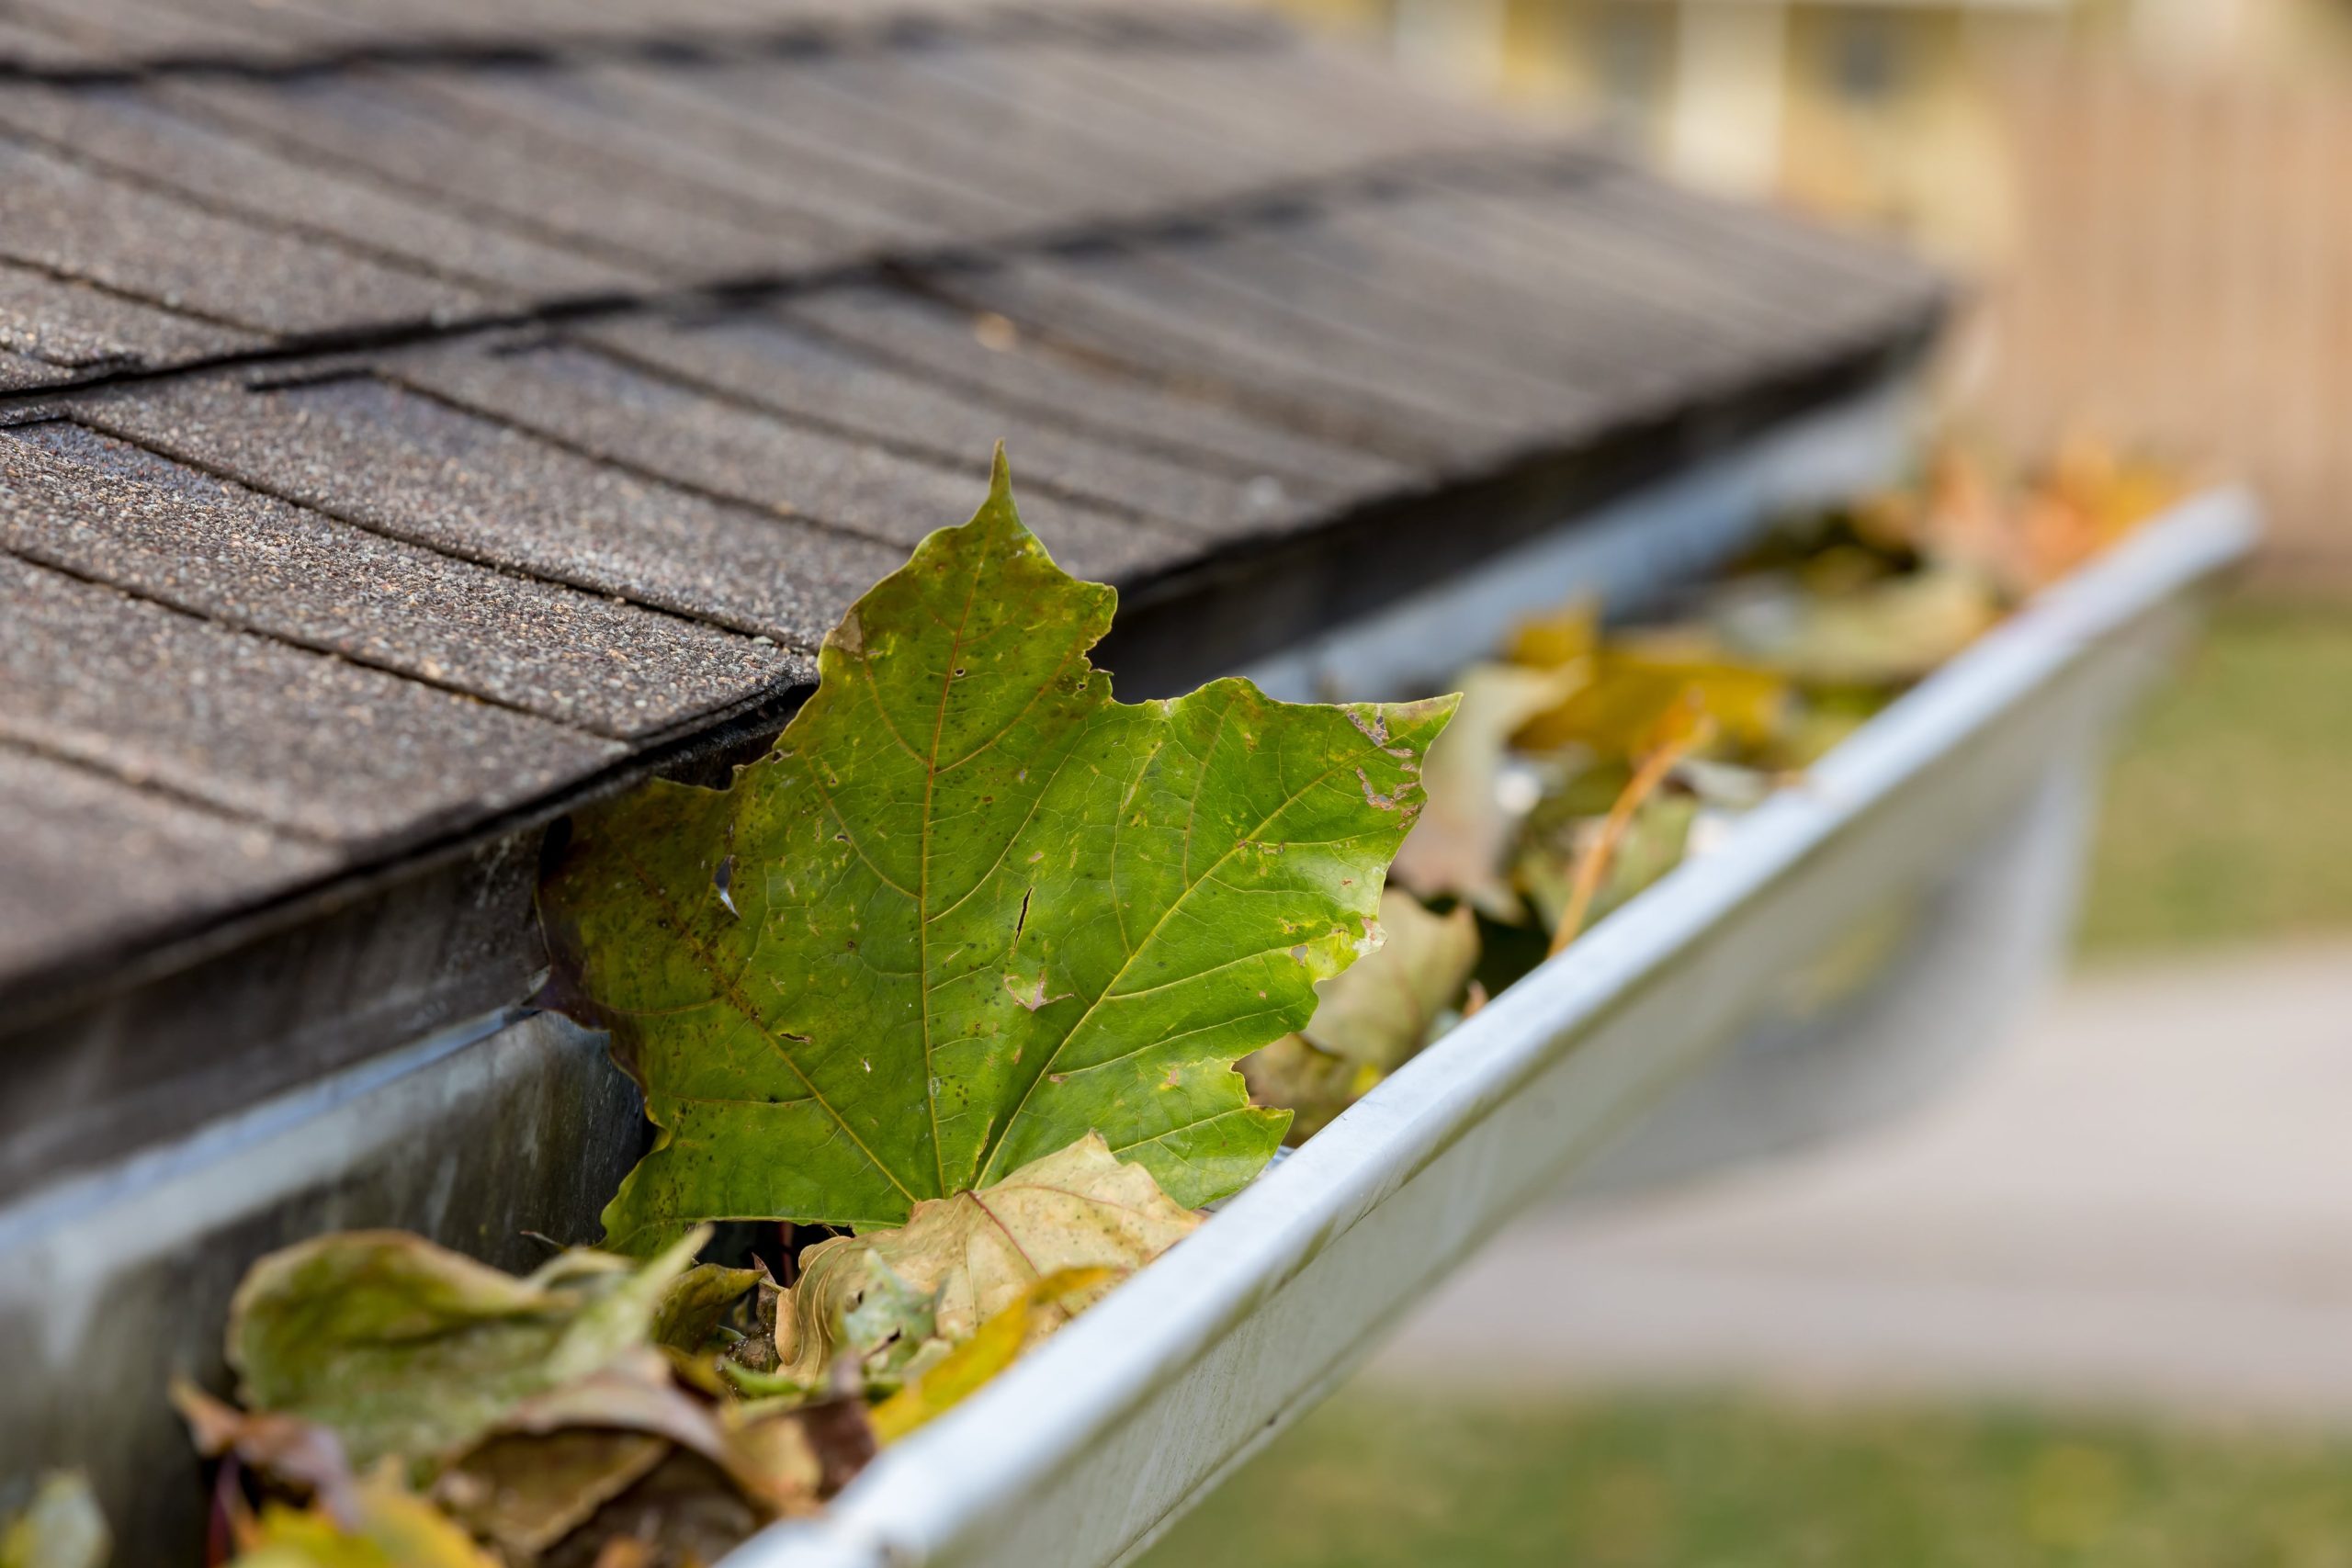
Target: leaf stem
1595 863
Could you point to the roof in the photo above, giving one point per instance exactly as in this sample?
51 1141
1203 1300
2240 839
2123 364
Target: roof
419 416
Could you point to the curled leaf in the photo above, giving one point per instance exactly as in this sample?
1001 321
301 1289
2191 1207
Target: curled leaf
977 1252
1459 846
994 1346
523 1494
1383 1010
684 1513
698 1301
407 1349
293 1453
1373 1017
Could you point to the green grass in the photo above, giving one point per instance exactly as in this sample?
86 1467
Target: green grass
2228 816
1709 1482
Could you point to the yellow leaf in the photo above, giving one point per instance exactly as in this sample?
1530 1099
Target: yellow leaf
993 1346
1642 698
394 1529
1563 637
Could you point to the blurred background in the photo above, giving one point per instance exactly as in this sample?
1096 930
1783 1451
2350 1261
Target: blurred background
2149 200
2094 1305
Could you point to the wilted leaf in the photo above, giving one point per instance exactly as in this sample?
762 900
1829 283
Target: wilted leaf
406 1349
394 1529
1652 845
556 1459
686 1514
1313 1086
293 1453
889 1326
1597 860
971 909
1458 847
698 1301
524 1494
1381 1010
1561 638
994 1346
977 1252
1373 1017
1889 633
58 1527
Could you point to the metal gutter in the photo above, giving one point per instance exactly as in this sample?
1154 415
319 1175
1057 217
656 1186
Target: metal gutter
398 1114
1084 1452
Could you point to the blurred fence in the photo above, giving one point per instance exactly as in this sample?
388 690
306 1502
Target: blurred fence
2183 275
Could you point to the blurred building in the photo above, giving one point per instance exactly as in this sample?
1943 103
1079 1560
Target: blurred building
2153 198
1868 107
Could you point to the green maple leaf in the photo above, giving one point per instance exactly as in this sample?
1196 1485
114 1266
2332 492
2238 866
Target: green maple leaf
971 909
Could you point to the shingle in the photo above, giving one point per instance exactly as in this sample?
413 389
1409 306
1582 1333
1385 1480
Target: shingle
799 115
265 31
589 401
61 329
137 137
1616 310
1318 108
1054 104
653 423
954 111
1209 282
991 356
553 24
1608 331
418 470
1804 268
125 32
131 31
108 861
118 33
875 103
1373 340
24 43
765 361
377 125
102 508
20 373
70 219
1056 302
1655 292
838 205
302 742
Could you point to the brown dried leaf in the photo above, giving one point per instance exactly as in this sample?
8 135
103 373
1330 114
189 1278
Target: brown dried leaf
1458 847
1373 1018
975 1253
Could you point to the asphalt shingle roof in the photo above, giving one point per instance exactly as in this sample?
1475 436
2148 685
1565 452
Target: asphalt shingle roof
413 415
